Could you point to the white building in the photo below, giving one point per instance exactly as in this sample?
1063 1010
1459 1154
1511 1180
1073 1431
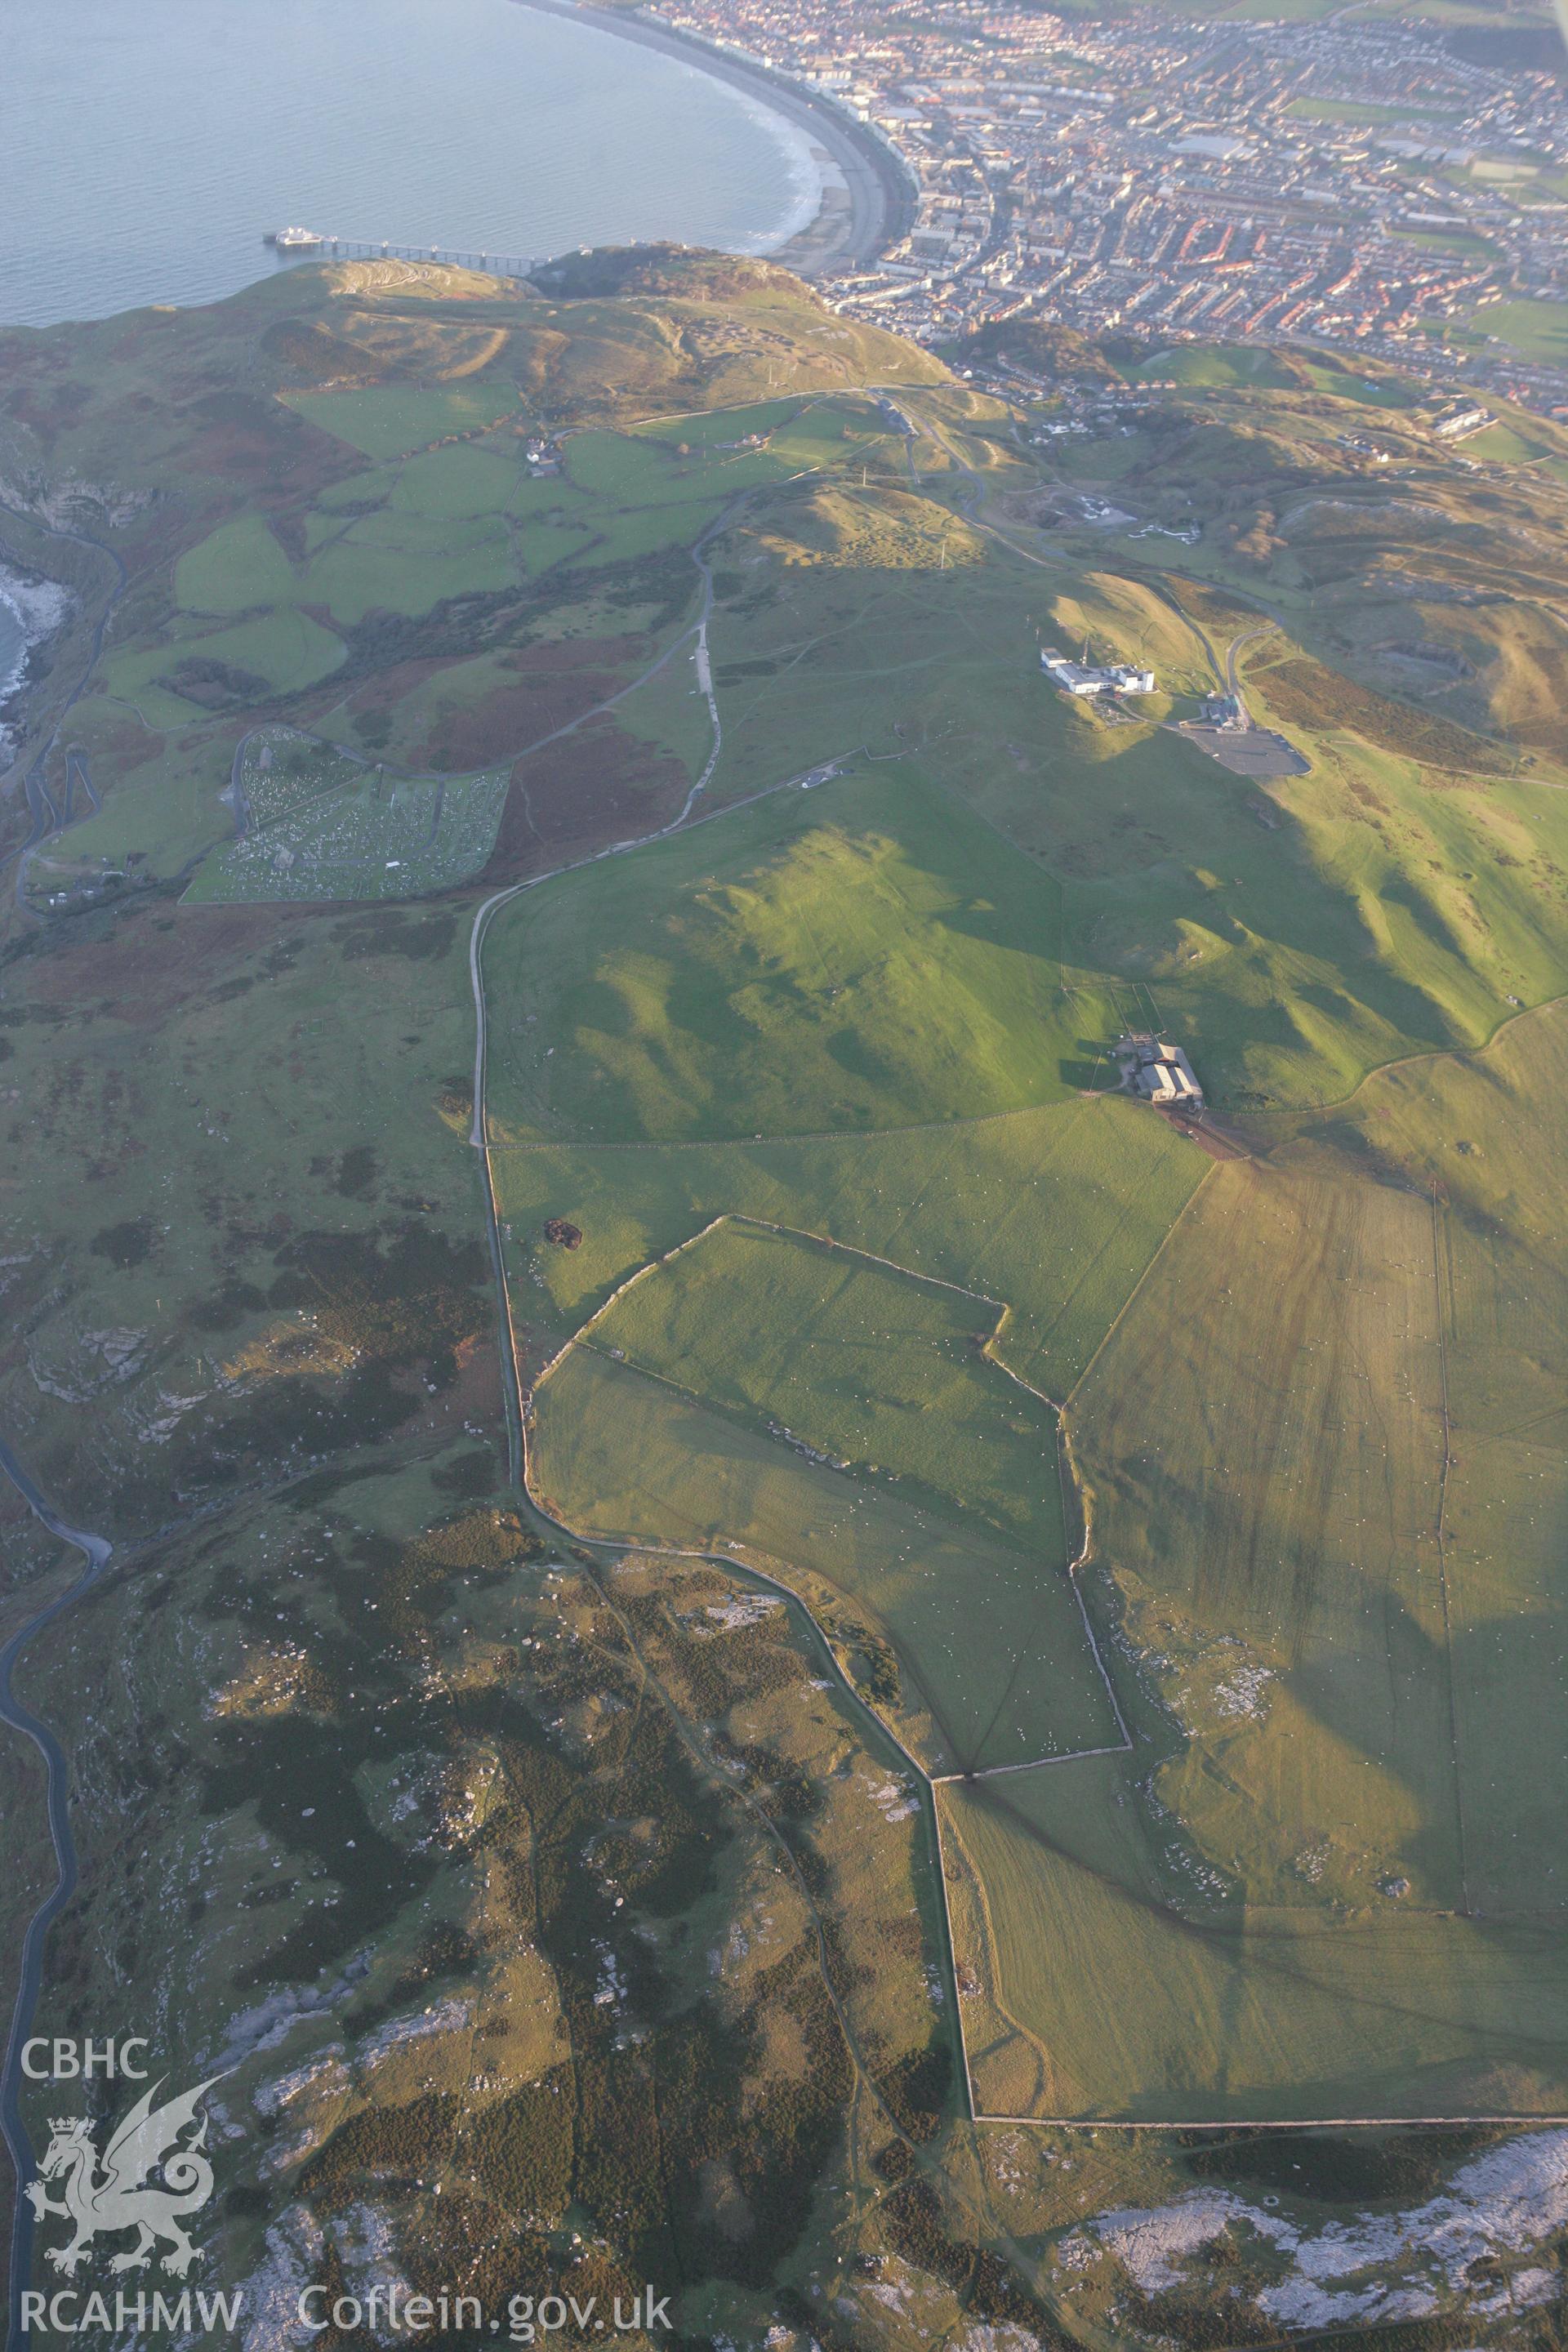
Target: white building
1086 679
1159 1071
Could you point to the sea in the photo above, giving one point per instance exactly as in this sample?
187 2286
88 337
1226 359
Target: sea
146 145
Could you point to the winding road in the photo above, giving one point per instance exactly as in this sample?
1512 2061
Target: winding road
697 629
95 1551
1247 637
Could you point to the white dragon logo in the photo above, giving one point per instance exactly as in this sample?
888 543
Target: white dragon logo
121 2195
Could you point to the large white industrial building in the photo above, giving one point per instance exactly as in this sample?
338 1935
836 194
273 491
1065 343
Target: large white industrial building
1086 679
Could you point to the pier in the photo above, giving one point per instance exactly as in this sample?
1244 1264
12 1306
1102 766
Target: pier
344 249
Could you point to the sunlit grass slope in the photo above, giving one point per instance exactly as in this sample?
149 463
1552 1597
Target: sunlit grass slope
862 955
1323 1450
1055 1211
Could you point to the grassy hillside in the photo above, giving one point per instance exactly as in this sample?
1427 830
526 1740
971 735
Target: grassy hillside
1320 1454
858 955
495 1838
1055 1211
970 1646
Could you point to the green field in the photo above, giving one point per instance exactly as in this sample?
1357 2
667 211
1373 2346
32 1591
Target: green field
859 955
173 815
704 428
394 420
1450 240
671 463
861 1361
455 483
910 1476
396 561
1324 1456
403 560
467 518
168 685
1345 382
1055 1211
1208 364
239 567
1352 110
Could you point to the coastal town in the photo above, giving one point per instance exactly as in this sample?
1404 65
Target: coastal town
1356 181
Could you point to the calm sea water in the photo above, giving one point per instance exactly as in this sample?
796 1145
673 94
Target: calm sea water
146 144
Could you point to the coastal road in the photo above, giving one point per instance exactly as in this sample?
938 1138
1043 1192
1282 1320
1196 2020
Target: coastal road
95 1551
